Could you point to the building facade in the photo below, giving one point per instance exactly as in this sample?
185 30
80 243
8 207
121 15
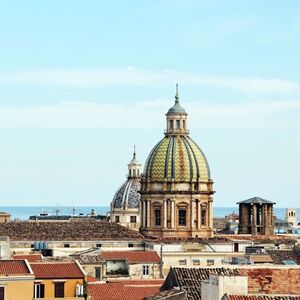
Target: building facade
176 187
125 206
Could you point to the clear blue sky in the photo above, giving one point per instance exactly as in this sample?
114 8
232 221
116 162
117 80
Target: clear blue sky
81 82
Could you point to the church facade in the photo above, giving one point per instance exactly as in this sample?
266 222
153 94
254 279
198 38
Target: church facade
176 186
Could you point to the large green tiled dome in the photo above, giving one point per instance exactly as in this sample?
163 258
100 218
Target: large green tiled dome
176 158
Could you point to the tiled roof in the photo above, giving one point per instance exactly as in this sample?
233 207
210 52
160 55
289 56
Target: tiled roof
131 256
14 267
279 256
256 200
261 297
57 270
189 279
124 290
84 230
169 294
29 257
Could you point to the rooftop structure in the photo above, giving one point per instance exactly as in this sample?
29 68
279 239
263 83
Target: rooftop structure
256 216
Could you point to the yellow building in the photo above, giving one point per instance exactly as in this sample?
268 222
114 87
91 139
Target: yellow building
58 280
16 280
176 185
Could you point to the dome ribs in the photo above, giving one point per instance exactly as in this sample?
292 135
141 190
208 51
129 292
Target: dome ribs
181 158
195 157
190 159
173 158
167 158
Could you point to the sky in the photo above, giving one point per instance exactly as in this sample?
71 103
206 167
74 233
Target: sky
82 82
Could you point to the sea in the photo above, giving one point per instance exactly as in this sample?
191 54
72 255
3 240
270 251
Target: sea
24 212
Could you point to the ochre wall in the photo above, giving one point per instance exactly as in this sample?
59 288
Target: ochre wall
18 290
70 287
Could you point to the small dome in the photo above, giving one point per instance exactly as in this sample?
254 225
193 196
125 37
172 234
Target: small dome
176 109
176 158
127 196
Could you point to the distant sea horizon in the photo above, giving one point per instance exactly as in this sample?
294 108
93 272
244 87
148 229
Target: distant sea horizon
24 212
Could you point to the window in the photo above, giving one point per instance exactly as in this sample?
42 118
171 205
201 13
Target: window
183 123
2 293
182 262
98 245
59 289
157 216
171 124
39 290
130 245
117 219
182 217
132 219
98 273
178 124
196 262
146 270
210 262
203 217
66 245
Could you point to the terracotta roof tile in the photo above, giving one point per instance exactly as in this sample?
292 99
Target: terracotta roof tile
67 231
29 257
13 267
126 290
189 279
43 270
131 256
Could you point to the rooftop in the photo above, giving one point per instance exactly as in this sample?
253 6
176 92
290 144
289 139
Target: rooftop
189 279
84 230
56 270
14 267
256 200
124 290
132 256
29 257
280 256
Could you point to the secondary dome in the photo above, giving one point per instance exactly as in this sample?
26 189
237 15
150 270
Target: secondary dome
127 195
176 158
